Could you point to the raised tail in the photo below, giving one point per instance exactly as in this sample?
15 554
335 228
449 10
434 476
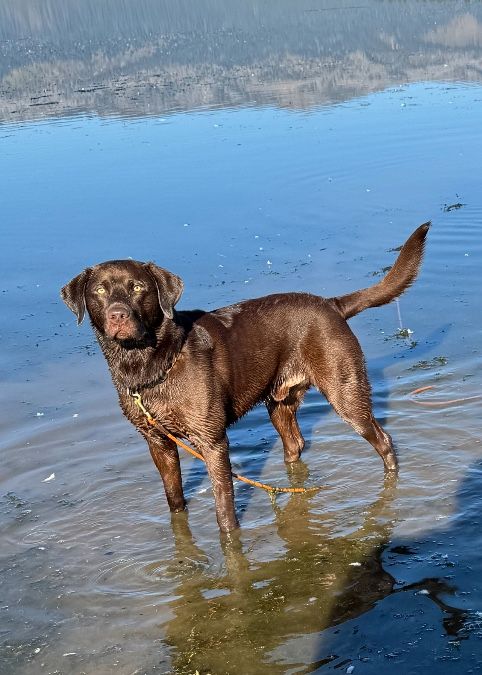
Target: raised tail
399 278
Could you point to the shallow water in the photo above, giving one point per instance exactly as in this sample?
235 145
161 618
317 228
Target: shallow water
251 150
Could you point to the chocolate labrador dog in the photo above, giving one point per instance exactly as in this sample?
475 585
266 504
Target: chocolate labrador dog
198 372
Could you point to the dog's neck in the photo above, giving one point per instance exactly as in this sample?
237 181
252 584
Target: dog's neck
138 369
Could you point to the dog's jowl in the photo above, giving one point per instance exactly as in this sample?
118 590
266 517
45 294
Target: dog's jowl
198 372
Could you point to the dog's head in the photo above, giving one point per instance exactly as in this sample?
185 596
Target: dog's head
126 300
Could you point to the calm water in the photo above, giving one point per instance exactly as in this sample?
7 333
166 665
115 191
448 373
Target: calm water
251 148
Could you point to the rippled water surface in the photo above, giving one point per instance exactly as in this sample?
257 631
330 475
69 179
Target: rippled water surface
250 148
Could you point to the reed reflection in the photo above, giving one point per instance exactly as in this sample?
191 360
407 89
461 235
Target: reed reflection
65 58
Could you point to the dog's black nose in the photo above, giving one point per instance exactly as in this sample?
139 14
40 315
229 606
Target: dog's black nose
118 313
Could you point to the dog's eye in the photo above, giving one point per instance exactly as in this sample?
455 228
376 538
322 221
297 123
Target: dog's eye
100 290
137 288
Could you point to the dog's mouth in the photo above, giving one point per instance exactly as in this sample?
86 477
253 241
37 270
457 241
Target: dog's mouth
131 336
122 333
137 343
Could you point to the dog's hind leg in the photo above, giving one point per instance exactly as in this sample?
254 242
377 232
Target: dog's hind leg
351 400
283 417
166 458
344 382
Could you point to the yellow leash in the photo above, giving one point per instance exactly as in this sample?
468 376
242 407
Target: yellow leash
270 488
437 404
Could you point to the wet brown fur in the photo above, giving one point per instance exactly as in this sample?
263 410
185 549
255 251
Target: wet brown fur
198 372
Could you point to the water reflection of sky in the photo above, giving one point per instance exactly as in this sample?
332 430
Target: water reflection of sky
176 188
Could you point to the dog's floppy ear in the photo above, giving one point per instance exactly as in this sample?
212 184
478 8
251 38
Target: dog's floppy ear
73 294
169 287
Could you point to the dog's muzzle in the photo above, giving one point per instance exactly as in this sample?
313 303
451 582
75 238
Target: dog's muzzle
120 322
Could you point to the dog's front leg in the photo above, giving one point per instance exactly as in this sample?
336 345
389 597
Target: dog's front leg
166 458
218 464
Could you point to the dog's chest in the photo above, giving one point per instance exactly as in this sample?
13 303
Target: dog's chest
150 409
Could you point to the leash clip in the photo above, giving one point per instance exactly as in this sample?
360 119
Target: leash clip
138 401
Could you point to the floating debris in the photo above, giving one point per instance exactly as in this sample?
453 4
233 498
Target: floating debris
403 334
378 273
452 207
436 362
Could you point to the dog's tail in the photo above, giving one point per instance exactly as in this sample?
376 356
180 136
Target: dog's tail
399 278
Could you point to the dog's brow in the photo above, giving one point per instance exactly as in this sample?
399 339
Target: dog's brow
114 277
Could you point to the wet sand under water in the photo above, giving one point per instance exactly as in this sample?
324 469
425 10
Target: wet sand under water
376 574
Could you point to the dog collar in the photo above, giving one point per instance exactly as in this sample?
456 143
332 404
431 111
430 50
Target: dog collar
148 385
153 383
